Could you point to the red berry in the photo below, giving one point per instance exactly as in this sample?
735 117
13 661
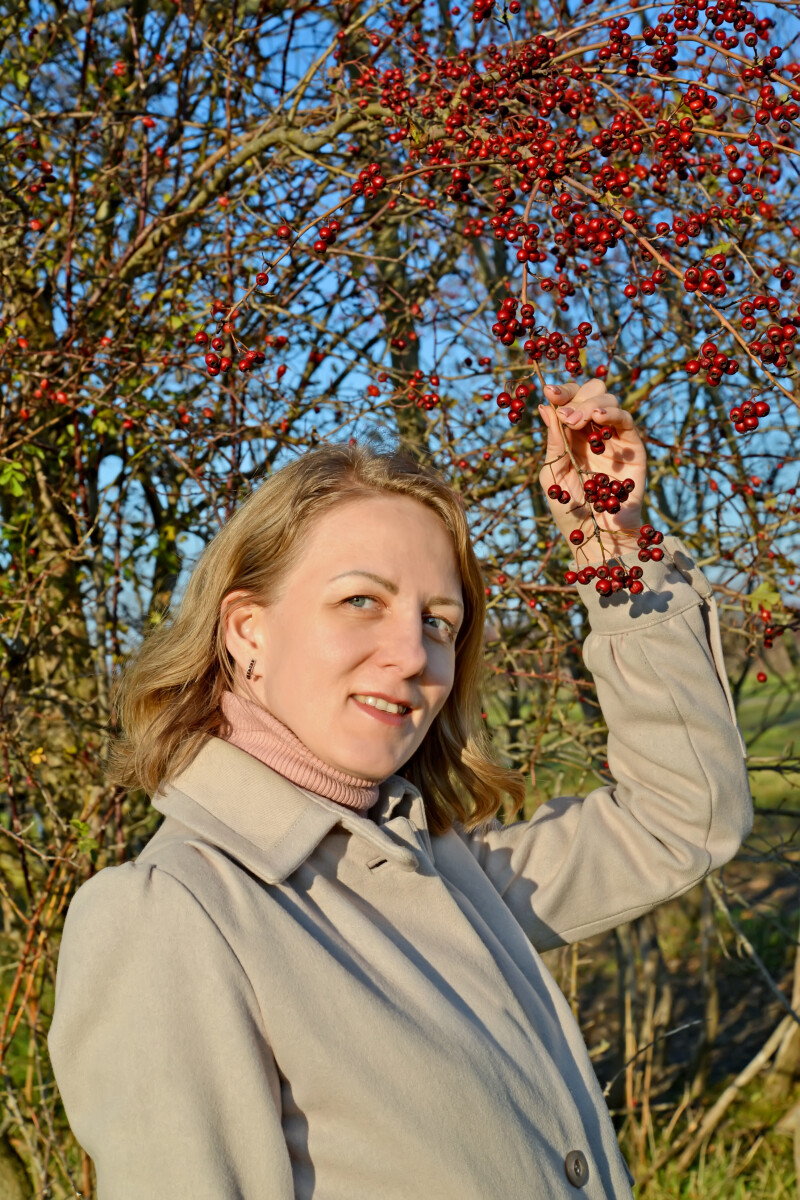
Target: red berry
576 537
262 278
761 677
283 232
201 338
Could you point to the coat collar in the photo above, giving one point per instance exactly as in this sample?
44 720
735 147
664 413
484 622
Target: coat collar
270 824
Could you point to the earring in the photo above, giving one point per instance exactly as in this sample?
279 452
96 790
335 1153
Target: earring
250 668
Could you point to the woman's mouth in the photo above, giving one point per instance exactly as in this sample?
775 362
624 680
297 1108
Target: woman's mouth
382 710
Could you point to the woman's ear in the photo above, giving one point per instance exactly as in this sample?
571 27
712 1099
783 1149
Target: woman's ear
243 633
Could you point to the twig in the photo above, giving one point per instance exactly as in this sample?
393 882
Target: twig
659 1037
715 1114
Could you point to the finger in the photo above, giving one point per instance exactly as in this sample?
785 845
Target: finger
578 416
585 396
555 438
561 393
592 390
618 418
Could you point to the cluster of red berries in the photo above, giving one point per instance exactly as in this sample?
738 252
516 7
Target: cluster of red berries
773 631
749 308
516 403
609 579
746 416
25 146
370 181
553 345
45 390
540 344
772 109
784 274
216 363
561 495
776 345
606 494
427 400
706 280
507 327
649 543
482 10
598 436
327 236
458 188
504 230
714 362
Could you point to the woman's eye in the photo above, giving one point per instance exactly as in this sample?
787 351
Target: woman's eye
350 599
440 623
446 627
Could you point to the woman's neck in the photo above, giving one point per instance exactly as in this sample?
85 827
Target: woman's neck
257 732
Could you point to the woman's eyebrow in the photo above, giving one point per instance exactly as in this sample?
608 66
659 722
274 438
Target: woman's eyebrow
394 589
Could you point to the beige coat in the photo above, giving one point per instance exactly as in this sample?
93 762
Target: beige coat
280 998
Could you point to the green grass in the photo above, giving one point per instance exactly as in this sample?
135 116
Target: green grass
769 717
740 1166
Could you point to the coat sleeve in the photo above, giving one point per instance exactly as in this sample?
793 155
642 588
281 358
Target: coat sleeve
680 802
158 1049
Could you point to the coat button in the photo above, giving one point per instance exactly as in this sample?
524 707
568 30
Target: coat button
577 1168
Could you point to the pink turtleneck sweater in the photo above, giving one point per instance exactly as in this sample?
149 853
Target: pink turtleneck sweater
257 732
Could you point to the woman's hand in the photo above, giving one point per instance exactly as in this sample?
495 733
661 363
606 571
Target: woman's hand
574 413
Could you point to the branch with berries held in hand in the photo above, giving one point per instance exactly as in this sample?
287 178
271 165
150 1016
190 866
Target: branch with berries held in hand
610 502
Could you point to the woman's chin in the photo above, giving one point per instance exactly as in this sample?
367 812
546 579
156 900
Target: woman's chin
367 766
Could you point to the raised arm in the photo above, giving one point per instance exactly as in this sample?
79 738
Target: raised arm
681 802
158 1049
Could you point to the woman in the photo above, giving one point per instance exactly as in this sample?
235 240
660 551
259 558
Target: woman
321 977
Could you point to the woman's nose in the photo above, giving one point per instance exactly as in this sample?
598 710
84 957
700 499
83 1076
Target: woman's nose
402 645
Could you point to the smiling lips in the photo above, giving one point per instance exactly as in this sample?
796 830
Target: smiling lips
384 703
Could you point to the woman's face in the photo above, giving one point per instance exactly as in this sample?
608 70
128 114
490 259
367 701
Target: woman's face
371 610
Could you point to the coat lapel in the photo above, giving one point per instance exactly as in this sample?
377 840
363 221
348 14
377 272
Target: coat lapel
265 821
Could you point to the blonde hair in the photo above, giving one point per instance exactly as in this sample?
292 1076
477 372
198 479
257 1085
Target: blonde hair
166 702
